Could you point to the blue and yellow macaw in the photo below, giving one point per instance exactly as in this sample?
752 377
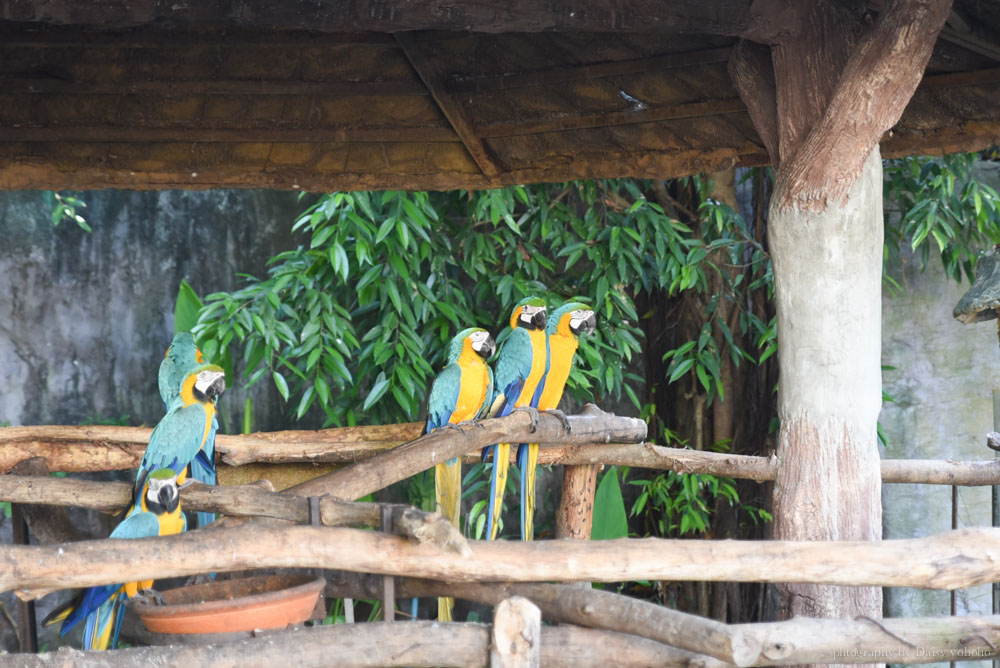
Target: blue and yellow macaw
180 360
519 368
157 512
461 392
186 434
566 324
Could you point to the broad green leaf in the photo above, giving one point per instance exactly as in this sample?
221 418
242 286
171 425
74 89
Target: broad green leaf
610 519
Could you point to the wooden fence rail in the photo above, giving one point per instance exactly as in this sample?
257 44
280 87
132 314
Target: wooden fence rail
951 560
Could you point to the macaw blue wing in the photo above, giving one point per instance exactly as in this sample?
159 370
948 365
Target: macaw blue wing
176 440
203 469
513 365
94 599
484 410
444 396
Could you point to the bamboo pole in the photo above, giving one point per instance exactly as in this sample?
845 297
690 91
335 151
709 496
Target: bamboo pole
956 559
383 644
107 448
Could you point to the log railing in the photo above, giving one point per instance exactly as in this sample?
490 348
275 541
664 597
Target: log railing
428 547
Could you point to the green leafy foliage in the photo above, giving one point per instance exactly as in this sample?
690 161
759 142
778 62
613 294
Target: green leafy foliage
355 320
186 307
64 207
610 519
940 199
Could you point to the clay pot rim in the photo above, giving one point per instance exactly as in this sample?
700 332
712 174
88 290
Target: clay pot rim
145 609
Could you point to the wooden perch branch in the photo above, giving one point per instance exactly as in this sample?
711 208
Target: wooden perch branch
796 641
385 644
950 560
100 448
254 500
371 475
608 611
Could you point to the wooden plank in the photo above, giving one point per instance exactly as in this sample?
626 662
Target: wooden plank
256 87
564 123
227 135
724 17
451 109
482 84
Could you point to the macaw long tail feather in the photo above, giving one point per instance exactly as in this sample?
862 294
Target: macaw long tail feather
203 471
448 495
446 609
448 489
527 461
498 483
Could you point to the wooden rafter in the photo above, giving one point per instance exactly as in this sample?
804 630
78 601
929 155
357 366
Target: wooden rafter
452 110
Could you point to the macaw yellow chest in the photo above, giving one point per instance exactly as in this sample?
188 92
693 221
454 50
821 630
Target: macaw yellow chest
471 388
171 523
561 352
538 355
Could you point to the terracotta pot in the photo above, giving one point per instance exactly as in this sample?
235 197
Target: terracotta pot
245 604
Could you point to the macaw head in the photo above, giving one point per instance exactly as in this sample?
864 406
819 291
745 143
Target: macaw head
476 339
205 383
528 313
162 493
181 357
572 319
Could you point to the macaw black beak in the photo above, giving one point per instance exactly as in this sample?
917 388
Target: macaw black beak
589 324
169 498
487 348
538 320
217 387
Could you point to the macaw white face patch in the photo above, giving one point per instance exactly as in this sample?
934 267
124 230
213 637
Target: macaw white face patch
481 340
533 316
582 320
208 379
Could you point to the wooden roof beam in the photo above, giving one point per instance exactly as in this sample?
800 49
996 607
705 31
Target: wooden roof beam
452 110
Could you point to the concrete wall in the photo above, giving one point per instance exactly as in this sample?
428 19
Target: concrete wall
945 373
85 317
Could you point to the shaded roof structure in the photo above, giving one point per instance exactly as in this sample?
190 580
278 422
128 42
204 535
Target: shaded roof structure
325 95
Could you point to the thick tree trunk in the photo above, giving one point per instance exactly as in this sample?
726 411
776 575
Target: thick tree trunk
828 272
839 85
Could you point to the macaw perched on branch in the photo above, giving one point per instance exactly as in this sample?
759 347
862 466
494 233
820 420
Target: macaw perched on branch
181 358
565 325
186 434
460 393
157 512
519 369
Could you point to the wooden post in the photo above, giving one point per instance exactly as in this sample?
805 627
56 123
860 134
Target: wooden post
515 641
575 515
27 628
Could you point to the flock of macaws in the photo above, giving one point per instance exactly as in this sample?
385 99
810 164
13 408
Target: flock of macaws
531 372
182 443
